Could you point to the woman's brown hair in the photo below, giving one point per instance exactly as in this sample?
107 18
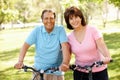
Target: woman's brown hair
73 11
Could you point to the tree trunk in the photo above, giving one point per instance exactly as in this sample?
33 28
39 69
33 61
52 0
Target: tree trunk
118 13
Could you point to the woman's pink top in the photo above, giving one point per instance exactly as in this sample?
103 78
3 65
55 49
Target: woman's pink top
87 52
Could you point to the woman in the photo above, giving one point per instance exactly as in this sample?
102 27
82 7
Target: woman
87 44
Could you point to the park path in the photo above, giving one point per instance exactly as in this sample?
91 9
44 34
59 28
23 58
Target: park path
111 30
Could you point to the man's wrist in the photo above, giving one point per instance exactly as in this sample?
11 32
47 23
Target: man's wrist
20 61
65 64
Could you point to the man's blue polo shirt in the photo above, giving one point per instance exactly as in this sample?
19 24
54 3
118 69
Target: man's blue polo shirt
47 45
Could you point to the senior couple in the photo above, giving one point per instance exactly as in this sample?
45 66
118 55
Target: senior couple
54 48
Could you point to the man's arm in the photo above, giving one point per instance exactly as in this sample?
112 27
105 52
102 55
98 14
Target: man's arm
23 51
66 56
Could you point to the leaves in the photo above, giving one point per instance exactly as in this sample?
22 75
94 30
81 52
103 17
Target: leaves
115 2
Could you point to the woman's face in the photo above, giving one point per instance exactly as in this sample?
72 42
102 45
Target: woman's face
75 21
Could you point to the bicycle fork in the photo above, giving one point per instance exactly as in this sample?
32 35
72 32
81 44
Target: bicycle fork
90 75
41 76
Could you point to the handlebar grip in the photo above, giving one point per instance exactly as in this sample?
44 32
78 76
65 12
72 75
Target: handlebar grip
102 62
25 68
72 67
111 60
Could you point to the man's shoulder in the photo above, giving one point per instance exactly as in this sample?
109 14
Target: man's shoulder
59 26
38 27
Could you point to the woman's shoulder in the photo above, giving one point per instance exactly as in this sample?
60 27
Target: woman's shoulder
92 28
70 34
95 31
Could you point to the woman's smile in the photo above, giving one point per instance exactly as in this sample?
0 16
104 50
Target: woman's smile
75 21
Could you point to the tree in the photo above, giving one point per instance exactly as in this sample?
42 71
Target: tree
66 3
7 11
89 9
117 4
24 9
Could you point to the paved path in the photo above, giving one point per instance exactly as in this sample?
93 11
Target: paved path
113 30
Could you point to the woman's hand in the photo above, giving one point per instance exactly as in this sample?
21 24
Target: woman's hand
107 60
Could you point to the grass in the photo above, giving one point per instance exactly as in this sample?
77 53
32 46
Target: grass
11 42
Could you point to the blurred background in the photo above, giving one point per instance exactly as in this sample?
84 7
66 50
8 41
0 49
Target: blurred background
19 17
24 12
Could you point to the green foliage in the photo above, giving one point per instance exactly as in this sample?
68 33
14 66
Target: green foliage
30 10
115 2
24 10
7 11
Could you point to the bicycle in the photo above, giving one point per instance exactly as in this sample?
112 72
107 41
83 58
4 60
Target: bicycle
87 67
41 72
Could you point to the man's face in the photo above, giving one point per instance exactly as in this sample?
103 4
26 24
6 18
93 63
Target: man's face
48 21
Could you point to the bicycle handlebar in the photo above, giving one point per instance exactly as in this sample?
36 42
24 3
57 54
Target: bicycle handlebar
87 67
53 69
41 72
26 68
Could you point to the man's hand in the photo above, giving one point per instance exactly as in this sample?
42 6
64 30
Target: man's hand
18 65
64 67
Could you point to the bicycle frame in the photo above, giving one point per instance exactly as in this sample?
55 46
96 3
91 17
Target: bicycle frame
88 67
41 72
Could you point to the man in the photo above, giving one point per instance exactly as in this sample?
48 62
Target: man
51 45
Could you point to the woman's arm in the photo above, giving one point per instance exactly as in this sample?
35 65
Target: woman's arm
104 50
